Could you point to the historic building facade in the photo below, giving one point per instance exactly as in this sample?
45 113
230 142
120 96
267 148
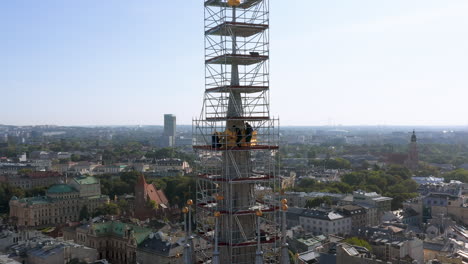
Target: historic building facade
34 179
61 204
115 241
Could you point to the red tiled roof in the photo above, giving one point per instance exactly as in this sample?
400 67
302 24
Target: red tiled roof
156 195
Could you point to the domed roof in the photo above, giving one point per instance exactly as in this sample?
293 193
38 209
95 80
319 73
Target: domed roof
61 188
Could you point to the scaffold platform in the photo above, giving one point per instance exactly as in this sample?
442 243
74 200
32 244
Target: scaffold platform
237 29
238 59
243 118
219 178
257 147
223 3
241 89
249 243
211 207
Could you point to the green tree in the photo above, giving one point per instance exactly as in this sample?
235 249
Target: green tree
316 202
354 178
332 163
131 177
84 213
36 191
75 157
107 209
24 171
458 175
6 193
358 242
376 179
364 165
152 204
307 183
123 205
342 187
398 170
427 170
159 183
372 188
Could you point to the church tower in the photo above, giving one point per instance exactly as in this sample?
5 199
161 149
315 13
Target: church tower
144 193
413 160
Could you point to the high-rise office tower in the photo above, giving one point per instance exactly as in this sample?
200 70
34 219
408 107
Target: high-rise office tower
169 134
236 139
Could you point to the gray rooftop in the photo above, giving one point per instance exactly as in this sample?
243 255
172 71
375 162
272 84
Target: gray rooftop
323 214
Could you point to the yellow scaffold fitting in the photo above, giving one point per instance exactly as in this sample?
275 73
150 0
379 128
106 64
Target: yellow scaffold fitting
259 213
189 202
284 207
284 201
217 214
185 210
230 137
233 2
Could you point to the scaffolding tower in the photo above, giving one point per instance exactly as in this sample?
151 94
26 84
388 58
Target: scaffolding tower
236 139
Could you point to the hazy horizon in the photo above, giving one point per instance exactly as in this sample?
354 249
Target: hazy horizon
408 127
332 62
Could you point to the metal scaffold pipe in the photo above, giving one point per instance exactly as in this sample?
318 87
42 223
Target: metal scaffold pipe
284 243
236 140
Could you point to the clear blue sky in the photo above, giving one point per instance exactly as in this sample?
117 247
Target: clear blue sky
120 62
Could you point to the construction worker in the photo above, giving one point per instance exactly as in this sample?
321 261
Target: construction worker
248 132
214 139
218 139
238 132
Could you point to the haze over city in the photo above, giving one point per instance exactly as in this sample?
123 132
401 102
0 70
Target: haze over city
332 62
233 132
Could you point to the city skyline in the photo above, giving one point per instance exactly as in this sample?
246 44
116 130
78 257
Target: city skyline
119 64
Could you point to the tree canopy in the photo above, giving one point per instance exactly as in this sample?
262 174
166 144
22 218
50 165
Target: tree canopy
107 209
355 241
395 182
316 202
458 175
6 192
